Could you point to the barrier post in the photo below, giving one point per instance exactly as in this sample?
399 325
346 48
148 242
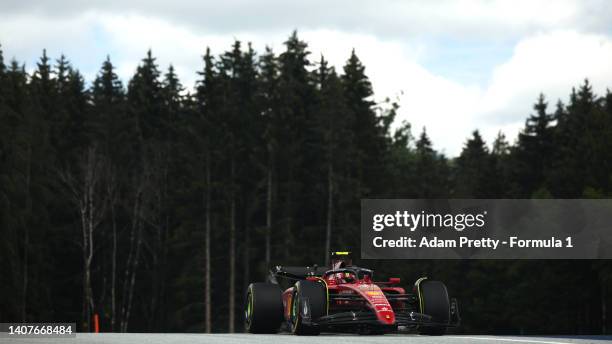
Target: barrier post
96 323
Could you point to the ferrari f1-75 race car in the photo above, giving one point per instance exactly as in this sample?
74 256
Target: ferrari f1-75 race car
344 298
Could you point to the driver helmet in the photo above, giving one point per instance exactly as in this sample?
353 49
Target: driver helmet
340 260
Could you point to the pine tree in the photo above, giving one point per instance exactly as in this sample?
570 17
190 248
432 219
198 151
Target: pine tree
15 199
43 90
38 144
333 126
4 113
474 169
430 174
534 150
6 218
172 97
230 72
112 126
501 163
402 163
107 88
268 103
368 136
144 98
2 65
251 173
295 100
78 124
573 156
110 131
145 108
593 140
208 107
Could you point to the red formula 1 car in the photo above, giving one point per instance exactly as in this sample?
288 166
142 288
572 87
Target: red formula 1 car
344 298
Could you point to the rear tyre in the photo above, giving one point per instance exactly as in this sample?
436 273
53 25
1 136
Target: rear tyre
316 294
263 311
434 302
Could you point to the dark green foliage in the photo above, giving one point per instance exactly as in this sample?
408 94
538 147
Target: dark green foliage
474 170
271 138
431 170
533 155
369 133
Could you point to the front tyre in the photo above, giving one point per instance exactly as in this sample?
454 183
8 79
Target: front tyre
315 293
263 310
433 301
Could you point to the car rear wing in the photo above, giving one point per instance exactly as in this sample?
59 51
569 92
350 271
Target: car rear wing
295 272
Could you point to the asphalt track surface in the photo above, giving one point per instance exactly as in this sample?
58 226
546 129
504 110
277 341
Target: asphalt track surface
160 338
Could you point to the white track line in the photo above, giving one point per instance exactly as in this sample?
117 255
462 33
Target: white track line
508 340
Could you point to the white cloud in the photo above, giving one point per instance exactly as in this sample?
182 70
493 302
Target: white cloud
387 18
24 37
551 63
551 60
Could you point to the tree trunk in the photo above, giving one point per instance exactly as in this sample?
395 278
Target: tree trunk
132 260
232 250
136 259
160 168
91 214
126 272
111 194
24 290
268 216
247 257
86 271
90 205
603 287
330 209
113 268
289 224
269 205
26 237
207 280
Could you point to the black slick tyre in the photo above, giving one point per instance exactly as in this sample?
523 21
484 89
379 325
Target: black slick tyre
263 310
433 301
316 294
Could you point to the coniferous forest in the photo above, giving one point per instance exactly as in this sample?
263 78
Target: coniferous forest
153 204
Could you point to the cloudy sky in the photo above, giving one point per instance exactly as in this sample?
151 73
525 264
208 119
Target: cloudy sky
456 66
